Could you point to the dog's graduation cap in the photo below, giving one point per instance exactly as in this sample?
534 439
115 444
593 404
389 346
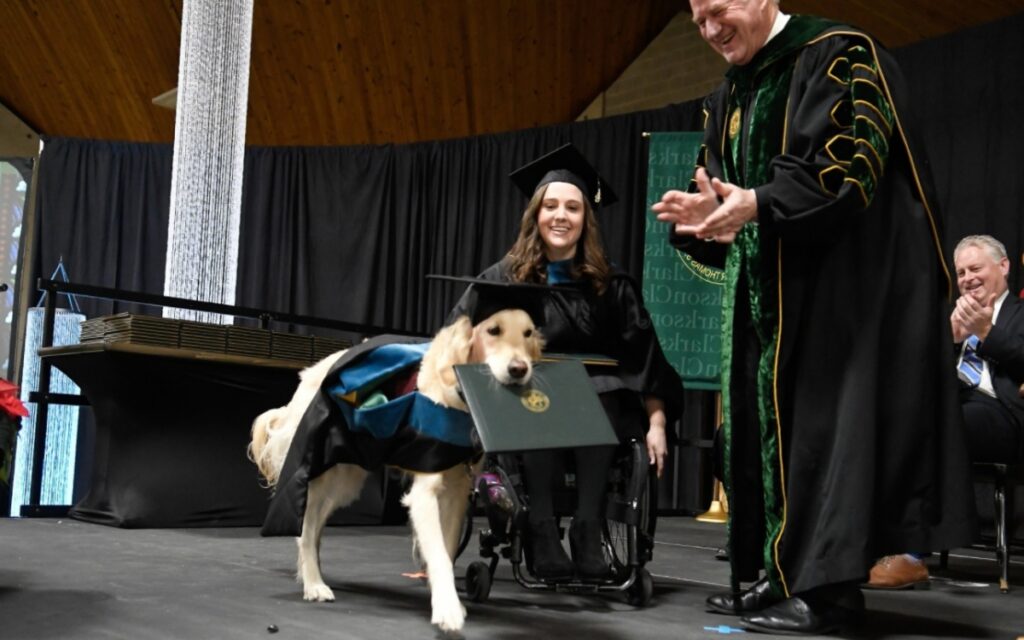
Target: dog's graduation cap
487 297
564 164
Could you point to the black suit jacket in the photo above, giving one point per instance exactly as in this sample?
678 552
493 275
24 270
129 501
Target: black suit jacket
1003 350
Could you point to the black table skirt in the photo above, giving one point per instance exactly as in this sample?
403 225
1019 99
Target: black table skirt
171 437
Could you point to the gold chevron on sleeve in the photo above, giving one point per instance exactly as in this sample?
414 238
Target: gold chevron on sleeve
882 138
831 179
864 67
867 161
860 189
840 148
871 84
839 70
840 114
881 116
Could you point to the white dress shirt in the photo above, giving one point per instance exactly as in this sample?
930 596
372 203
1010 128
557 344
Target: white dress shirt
780 23
985 386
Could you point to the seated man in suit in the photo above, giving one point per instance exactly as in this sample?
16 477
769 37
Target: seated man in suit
988 324
988 329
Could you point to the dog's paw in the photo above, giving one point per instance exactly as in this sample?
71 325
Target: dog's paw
448 615
317 593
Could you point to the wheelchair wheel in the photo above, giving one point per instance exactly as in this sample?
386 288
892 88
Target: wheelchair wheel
467 528
640 592
631 480
478 581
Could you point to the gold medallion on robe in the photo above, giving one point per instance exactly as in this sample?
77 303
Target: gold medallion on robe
734 122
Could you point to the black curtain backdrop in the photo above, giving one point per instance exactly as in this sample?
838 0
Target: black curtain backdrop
349 232
968 98
346 232
102 208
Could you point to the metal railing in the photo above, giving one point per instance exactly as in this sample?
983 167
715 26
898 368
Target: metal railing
43 398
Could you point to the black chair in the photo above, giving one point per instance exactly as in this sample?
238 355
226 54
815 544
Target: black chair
1004 478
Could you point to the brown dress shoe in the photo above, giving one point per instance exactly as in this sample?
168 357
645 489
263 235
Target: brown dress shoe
898 572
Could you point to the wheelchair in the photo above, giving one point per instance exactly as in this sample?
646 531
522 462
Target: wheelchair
630 519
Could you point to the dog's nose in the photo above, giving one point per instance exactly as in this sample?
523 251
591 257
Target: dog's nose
517 369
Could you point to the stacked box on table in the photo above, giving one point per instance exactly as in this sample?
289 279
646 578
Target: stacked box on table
291 346
323 347
132 328
203 336
247 341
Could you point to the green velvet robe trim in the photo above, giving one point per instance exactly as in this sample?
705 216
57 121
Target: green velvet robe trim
762 103
873 122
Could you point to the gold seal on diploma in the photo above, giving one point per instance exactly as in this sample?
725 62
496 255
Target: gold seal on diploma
536 401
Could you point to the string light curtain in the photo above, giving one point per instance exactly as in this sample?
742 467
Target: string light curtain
62 419
209 141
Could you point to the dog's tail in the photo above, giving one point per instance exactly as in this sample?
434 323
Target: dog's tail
270 442
273 430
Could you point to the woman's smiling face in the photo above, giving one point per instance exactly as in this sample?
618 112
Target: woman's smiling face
560 220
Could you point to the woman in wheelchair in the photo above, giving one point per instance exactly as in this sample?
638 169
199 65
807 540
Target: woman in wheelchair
596 309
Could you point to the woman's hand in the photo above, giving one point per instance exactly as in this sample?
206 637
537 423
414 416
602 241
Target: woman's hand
657 447
657 443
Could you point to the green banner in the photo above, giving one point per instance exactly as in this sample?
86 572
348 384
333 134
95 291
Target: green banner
683 296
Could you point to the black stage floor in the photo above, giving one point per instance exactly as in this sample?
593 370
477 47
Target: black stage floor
68 579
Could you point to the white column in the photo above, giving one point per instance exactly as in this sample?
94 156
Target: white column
209 145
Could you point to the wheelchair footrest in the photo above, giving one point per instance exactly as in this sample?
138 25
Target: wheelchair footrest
576 587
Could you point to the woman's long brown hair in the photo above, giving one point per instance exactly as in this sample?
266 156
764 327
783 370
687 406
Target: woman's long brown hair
528 262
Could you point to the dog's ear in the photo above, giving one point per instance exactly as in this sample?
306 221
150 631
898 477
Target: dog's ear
535 345
450 346
454 342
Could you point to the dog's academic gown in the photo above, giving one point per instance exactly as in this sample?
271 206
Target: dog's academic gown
366 414
843 439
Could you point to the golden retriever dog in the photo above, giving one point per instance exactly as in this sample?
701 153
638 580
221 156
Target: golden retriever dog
508 343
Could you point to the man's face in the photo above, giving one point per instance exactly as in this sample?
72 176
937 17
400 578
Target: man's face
979 275
736 29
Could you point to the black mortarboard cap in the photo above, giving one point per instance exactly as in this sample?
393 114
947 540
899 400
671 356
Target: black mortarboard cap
487 297
564 164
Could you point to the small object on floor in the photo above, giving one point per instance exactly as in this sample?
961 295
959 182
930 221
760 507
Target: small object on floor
722 554
899 572
271 628
724 629
415 575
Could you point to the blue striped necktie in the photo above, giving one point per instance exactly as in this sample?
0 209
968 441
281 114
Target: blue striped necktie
971 365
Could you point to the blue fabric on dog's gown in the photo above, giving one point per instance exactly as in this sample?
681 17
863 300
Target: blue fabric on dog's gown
350 422
381 416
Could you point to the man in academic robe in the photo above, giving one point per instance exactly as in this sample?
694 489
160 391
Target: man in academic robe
843 441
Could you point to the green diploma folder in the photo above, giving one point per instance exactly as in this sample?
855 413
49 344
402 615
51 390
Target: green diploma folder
558 409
